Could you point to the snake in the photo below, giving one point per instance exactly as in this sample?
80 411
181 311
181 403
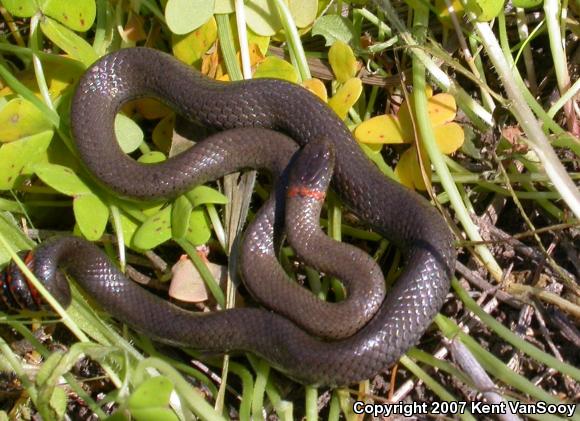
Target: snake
259 123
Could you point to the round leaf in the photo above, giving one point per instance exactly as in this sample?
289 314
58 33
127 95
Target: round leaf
153 392
449 137
199 231
184 16
20 8
70 42
129 134
485 10
154 414
163 133
77 15
303 11
346 97
202 195
334 27
527 4
224 6
152 157
62 179
381 129
154 231
342 60
316 86
180 213
441 108
262 17
91 215
191 47
277 68
20 118
17 157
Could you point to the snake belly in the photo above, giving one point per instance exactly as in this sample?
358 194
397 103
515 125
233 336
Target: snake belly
400 215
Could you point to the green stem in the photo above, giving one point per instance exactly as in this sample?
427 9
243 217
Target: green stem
521 111
293 38
227 46
480 116
429 143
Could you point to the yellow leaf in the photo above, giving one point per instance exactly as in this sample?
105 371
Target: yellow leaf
404 114
275 67
342 61
442 109
381 129
316 86
449 137
418 179
256 56
409 172
191 47
163 133
443 11
148 108
346 97
19 119
59 76
404 168
261 41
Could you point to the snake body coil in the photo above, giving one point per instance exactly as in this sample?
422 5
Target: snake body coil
254 108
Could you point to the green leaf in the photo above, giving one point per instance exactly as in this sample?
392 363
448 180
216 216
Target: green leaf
303 11
128 133
13 235
191 48
152 157
154 414
485 10
118 416
78 15
184 16
21 8
62 179
128 227
180 217
17 158
153 392
526 4
50 365
342 61
154 231
58 402
91 215
567 140
333 28
262 17
199 231
157 229
70 42
277 68
202 195
224 6
20 118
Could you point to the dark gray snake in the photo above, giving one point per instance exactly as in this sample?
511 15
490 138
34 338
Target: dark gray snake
254 109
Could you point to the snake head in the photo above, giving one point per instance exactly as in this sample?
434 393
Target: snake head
313 167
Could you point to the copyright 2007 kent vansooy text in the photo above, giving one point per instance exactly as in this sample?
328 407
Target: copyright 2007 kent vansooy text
460 407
